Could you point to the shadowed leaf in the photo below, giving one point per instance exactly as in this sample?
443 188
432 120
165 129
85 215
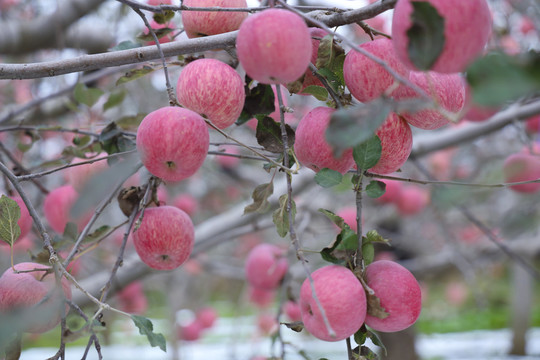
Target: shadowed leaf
146 328
281 216
85 95
375 189
260 198
10 213
269 135
327 178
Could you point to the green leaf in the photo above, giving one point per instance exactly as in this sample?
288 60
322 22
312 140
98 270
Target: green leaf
164 17
114 99
281 216
336 219
367 354
367 154
375 189
268 135
325 52
159 33
349 240
319 92
360 336
125 45
336 67
259 101
354 125
134 75
147 328
426 35
114 141
10 213
498 77
85 95
130 122
377 341
374 237
260 198
327 178
71 232
368 252
332 78
82 141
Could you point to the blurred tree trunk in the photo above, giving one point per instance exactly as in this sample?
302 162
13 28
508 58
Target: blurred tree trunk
400 345
522 294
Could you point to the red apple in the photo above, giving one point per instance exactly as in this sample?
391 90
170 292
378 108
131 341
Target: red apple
57 207
132 299
25 291
228 162
207 317
267 324
274 46
367 80
265 266
412 200
78 176
532 125
204 23
190 332
309 78
155 26
261 297
187 203
172 143
399 294
165 238
522 167
311 147
392 192
343 299
213 89
25 221
349 215
292 310
467 27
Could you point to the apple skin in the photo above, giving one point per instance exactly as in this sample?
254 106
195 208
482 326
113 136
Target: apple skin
392 192
343 299
267 324
349 215
25 221
155 26
190 332
309 78
212 89
367 80
522 167
187 203
396 140
132 299
274 46
467 28
204 23
261 297
57 206
532 125
448 90
23 291
172 143
311 147
207 317
165 238
292 310
412 200
265 267
78 176
399 294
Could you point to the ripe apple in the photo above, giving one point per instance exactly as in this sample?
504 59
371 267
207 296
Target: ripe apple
367 80
172 143
522 166
187 203
212 89
204 23
265 266
467 27
399 294
261 297
412 200
207 317
292 310
165 238
348 214
78 176
311 147
309 78
57 207
132 299
25 221
159 2
392 192
190 332
274 46
396 140
267 324
447 90
25 291
532 125
228 162
343 299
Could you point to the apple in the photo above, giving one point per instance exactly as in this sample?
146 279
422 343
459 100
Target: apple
266 265
367 80
228 162
343 299
57 207
165 238
156 26
532 125
261 297
190 332
467 28
78 176
292 310
392 192
274 46
204 23
187 203
25 221
132 299
267 324
349 215
522 166
447 90
26 291
207 317
412 200
399 294
310 79
311 147
172 143
213 89
396 140
159 2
